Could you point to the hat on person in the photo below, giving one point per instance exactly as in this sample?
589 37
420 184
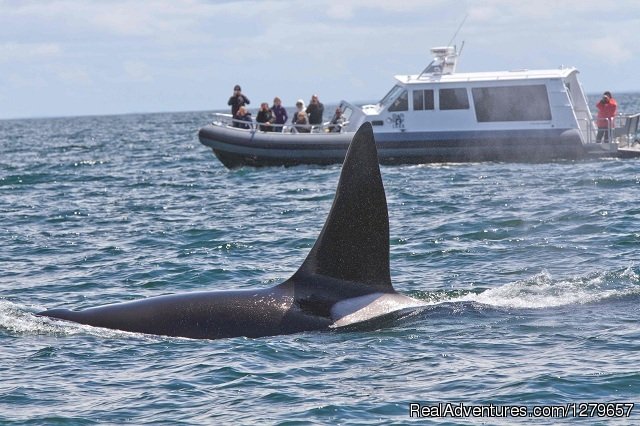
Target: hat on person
237 87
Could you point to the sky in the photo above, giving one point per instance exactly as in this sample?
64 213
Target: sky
71 57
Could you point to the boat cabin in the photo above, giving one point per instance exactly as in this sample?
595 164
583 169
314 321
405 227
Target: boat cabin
440 100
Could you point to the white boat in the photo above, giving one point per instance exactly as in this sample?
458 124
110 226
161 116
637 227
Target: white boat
442 116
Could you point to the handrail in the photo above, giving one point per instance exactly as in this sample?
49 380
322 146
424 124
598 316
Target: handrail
227 120
628 132
622 129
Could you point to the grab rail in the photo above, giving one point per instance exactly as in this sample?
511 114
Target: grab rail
227 120
622 129
627 134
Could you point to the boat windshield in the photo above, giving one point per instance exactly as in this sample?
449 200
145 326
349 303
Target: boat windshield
346 111
390 97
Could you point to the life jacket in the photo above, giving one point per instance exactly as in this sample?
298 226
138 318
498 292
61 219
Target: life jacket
606 113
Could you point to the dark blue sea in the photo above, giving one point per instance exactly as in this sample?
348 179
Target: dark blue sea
530 274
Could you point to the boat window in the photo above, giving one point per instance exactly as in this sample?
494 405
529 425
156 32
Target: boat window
393 93
511 103
401 103
454 99
346 112
422 100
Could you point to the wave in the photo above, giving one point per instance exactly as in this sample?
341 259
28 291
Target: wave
21 320
543 291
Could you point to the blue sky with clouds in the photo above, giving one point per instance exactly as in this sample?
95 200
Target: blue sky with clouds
70 57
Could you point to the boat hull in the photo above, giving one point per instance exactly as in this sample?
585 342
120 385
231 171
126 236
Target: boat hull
237 148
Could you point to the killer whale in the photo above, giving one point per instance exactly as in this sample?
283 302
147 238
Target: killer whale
344 278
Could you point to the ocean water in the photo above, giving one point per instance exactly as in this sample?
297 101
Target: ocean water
530 274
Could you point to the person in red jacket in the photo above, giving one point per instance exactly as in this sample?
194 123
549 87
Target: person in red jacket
607 109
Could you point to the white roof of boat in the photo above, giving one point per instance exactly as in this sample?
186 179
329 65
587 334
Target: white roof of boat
487 76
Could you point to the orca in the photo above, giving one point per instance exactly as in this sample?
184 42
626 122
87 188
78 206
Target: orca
345 278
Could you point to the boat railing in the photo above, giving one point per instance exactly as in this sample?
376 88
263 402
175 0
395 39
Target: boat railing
622 129
227 120
627 133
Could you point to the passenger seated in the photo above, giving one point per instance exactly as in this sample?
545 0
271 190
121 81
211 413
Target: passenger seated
242 119
299 108
335 125
265 116
301 123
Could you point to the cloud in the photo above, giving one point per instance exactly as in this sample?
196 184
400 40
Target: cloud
13 51
343 10
138 71
23 80
491 11
343 49
609 49
70 73
63 19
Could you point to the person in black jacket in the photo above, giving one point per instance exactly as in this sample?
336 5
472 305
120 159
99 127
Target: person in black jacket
315 111
237 100
265 116
335 125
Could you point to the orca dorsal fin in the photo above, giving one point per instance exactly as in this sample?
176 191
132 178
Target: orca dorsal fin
354 242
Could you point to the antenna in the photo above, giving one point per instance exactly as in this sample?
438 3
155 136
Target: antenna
444 61
458 30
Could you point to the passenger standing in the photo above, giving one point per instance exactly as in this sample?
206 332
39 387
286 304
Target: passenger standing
299 109
265 116
279 113
237 100
607 109
315 111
